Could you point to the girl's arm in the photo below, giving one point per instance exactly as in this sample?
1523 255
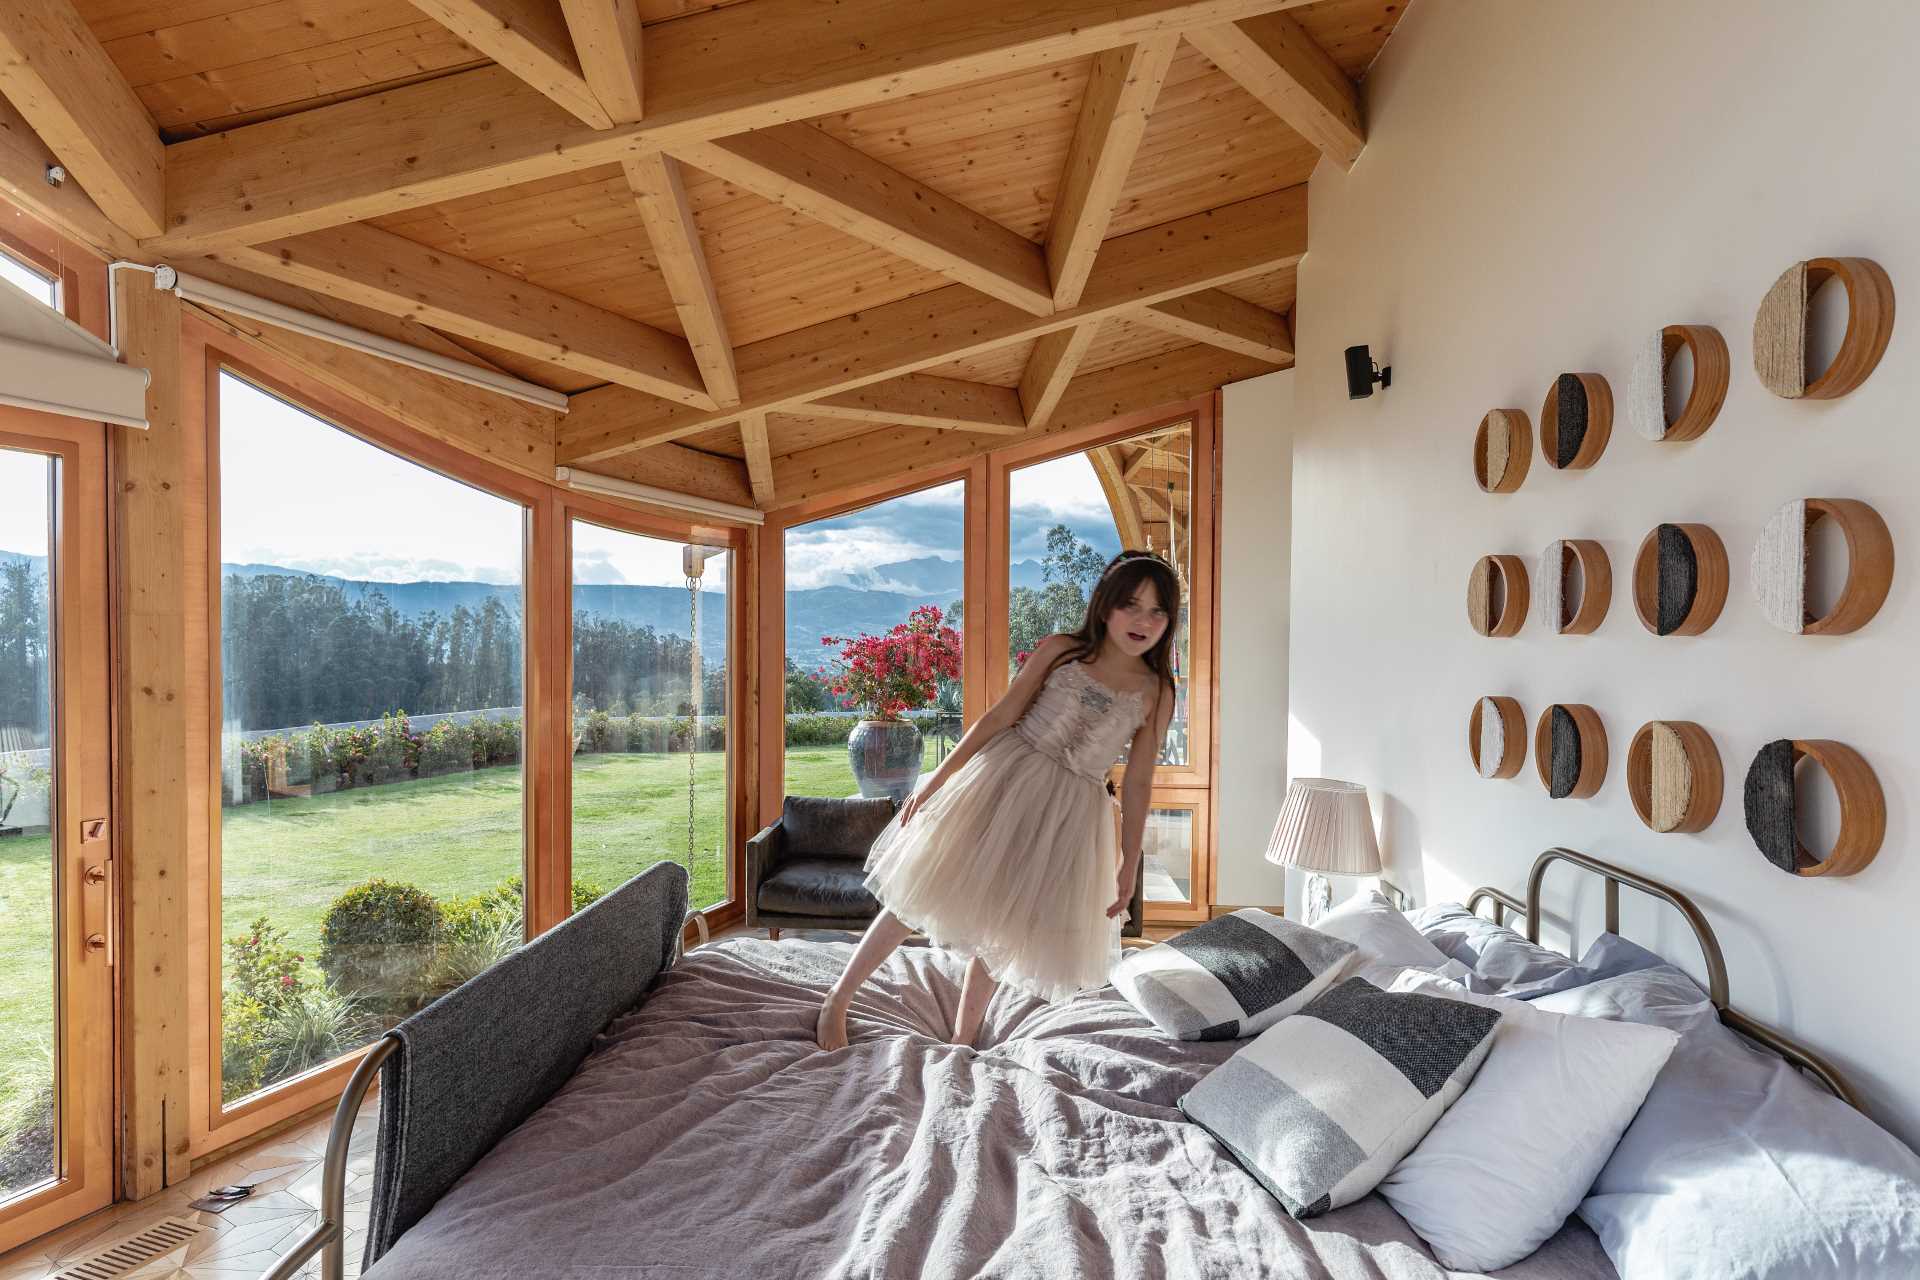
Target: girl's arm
1136 794
1002 715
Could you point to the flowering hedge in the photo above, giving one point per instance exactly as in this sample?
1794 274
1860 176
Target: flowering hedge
900 670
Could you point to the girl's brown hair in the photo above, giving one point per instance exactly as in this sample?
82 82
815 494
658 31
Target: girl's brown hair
1122 577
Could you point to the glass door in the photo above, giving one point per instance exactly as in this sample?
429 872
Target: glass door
56 865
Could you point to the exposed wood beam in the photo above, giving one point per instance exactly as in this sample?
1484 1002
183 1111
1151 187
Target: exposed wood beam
606 37
662 198
1126 515
709 75
55 72
396 275
811 172
24 158
1055 359
1201 251
902 453
922 400
1113 116
1275 60
1216 317
1151 461
530 39
685 470
753 438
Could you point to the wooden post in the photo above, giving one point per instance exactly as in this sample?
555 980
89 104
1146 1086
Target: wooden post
153 527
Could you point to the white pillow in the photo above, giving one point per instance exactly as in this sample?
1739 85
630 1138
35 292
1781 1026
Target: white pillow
1504 1167
1384 936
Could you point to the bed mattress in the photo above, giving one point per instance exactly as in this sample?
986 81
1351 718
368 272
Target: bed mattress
705 1135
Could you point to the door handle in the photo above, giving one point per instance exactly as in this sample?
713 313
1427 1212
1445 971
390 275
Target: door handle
96 907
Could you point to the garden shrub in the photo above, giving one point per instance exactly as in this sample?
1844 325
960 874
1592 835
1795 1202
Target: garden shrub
822 729
377 944
311 1029
26 1128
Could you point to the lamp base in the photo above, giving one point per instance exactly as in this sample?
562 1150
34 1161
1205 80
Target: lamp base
1319 897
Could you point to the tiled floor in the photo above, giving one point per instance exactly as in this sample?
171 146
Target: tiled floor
244 1240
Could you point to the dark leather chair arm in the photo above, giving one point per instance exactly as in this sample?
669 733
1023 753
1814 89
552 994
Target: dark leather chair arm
763 854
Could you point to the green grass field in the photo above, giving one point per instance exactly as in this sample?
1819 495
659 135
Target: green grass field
288 859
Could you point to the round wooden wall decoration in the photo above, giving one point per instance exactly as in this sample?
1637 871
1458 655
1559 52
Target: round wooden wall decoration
1570 751
1502 450
1557 562
1680 579
1779 568
1576 421
1780 328
1770 807
1497 596
1673 776
1497 737
1647 386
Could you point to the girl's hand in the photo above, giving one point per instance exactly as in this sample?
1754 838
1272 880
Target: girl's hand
1123 886
911 806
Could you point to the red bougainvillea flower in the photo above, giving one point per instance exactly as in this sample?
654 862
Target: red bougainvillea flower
899 671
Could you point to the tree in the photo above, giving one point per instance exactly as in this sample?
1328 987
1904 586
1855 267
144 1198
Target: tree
1069 571
23 647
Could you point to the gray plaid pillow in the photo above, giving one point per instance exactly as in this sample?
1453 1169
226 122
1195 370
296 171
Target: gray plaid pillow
1327 1102
1232 976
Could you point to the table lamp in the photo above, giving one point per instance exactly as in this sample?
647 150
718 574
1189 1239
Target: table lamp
1325 828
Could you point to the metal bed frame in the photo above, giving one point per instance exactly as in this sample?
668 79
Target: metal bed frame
328 1236
1614 876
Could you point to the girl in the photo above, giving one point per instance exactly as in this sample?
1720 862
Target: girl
1006 854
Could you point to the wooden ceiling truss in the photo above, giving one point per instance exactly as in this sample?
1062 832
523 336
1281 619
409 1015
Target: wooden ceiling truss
414 205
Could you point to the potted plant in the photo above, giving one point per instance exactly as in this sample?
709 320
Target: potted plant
887 676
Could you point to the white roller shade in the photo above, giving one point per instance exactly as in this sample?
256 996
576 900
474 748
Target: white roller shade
49 363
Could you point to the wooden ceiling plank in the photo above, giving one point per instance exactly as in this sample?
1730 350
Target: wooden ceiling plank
753 441
903 453
393 274
56 74
1113 116
662 199
1217 317
804 169
606 38
1201 251
1055 359
530 39
709 75
921 400
1275 60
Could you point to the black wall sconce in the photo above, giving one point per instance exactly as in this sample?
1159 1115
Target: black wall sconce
1362 373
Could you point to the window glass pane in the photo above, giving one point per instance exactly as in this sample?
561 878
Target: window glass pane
27 973
371 642
1167 855
35 283
853 581
649 711
1071 515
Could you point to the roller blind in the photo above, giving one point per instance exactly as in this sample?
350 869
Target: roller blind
51 364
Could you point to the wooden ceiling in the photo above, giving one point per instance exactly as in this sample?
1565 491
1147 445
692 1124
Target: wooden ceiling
771 233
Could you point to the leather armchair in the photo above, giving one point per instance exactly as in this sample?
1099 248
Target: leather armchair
807 870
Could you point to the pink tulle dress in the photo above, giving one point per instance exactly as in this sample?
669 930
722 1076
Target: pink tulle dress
1013 859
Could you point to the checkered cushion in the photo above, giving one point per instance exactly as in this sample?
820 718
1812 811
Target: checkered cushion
1327 1102
1232 976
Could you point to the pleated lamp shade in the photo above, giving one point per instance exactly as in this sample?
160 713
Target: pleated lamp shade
1325 826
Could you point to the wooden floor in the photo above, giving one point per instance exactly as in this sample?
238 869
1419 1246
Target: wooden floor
284 1172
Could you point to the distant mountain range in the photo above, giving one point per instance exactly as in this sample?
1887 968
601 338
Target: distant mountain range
871 600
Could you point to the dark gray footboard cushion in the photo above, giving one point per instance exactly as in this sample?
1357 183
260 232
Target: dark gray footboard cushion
482 1058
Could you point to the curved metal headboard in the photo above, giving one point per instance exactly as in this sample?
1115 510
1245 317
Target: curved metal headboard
1614 876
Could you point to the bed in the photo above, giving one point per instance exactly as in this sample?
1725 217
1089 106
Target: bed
701 1133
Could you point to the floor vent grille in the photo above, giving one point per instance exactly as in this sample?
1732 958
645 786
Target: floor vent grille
134 1251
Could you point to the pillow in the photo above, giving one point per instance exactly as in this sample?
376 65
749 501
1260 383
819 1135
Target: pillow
1371 923
1323 1104
1504 963
1504 1168
1738 1167
1232 976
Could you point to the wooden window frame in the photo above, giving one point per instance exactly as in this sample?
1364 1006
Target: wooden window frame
79 612
547 677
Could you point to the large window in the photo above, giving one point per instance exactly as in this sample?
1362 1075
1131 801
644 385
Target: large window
851 581
650 729
28 908
371 662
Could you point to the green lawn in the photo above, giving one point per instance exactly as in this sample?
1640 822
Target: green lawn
288 859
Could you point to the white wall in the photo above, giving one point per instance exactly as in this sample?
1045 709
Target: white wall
1546 181
1256 445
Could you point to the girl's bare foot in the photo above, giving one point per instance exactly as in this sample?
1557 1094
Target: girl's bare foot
830 1028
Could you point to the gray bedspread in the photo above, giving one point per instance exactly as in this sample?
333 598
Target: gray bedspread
707 1136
